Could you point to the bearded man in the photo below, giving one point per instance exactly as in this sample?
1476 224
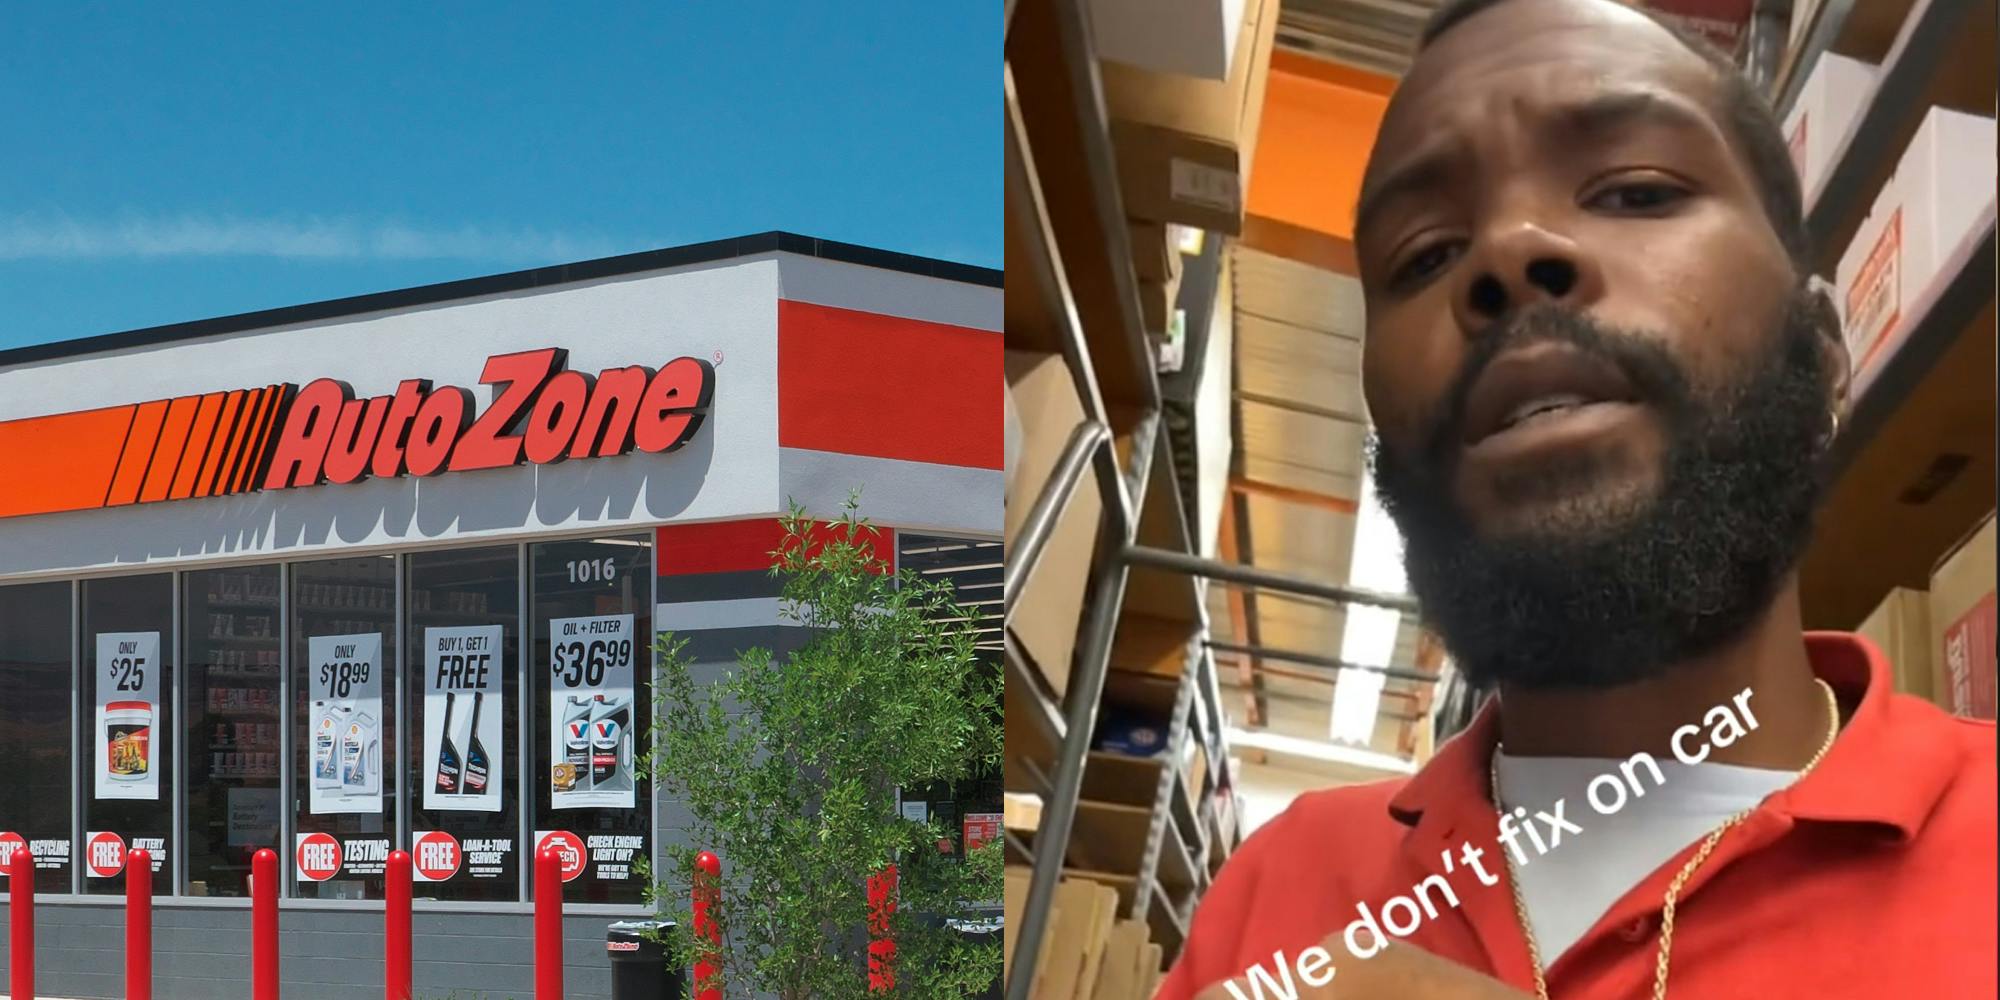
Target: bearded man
1604 387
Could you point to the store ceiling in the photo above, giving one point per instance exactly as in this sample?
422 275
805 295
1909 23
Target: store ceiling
1373 35
1300 428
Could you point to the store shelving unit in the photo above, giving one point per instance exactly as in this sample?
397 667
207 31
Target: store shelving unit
1914 464
1123 821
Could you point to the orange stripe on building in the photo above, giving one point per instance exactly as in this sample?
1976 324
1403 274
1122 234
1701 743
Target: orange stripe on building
861 383
260 441
253 424
199 439
246 415
61 462
138 453
219 442
167 448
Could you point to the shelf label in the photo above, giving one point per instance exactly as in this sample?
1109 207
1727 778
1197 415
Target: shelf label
1209 187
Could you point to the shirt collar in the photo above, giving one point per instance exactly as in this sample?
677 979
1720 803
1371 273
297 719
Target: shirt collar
1886 768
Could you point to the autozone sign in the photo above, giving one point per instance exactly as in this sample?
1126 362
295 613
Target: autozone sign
281 436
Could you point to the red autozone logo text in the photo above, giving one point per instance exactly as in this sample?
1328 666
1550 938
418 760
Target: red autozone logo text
541 413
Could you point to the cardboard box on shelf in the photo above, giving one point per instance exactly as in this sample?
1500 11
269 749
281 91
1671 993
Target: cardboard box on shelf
1194 771
1829 102
1122 973
1049 606
1152 963
1184 144
1015 901
1156 254
1074 944
1186 37
1963 626
1943 179
1901 628
1919 217
1867 285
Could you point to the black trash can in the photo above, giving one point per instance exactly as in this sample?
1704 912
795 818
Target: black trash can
640 968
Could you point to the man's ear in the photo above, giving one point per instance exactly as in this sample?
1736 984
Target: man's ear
1826 321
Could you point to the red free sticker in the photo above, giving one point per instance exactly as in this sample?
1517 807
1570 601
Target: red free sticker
105 854
9 843
570 847
435 855
317 856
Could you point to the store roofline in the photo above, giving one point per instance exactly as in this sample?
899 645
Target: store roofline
512 281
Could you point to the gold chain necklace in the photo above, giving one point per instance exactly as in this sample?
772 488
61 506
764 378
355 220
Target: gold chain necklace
1680 880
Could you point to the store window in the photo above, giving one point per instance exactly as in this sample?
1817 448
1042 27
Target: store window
35 708
969 811
344 744
463 608
230 624
591 703
125 755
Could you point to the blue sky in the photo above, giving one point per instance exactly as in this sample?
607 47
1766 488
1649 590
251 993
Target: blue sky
168 162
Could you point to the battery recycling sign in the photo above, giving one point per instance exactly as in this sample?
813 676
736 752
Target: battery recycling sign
464 760
128 702
591 713
345 734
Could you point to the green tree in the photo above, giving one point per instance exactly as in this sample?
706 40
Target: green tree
790 766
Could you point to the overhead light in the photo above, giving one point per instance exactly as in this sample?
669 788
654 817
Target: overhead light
1370 633
1330 753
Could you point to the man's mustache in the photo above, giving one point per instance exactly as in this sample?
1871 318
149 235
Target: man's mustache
1644 362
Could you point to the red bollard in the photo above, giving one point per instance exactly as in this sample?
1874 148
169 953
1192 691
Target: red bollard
396 928
548 925
882 949
707 893
138 925
264 925
21 910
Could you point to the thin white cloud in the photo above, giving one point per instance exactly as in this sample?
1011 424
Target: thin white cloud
61 238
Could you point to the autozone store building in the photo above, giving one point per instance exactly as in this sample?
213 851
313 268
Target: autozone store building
383 572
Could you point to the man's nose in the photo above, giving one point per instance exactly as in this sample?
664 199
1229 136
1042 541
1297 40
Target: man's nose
1520 266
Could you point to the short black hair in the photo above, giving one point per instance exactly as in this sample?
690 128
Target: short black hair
1746 114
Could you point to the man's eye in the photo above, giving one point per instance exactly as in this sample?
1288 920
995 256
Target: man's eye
1646 196
1423 264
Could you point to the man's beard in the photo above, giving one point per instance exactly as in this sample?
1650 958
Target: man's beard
1610 592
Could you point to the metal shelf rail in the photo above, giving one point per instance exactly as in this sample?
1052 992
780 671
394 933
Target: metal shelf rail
1092 444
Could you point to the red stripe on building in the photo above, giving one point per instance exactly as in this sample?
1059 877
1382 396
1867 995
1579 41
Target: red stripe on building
742 546
861 383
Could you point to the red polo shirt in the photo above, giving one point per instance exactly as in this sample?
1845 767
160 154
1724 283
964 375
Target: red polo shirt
1874 876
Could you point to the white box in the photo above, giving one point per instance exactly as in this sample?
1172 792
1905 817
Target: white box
1943 180
1945 177
1184 37
1831 99
1866 284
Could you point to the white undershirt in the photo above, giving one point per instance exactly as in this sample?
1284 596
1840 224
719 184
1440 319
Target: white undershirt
1569 888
